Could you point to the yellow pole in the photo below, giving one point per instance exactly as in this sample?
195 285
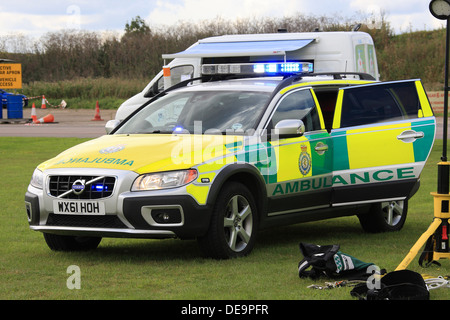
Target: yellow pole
422 240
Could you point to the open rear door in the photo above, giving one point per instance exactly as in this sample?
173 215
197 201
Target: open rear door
383 134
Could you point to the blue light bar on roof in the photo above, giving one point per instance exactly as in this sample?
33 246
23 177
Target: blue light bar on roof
272 68
281 68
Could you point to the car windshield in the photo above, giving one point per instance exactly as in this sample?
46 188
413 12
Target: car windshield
210 112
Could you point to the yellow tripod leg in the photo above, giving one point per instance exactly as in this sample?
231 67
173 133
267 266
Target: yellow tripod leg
419 244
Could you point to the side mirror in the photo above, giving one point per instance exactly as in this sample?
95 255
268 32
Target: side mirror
110 125
290 127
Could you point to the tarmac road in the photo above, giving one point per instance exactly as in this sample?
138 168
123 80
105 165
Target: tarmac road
76 123
79 123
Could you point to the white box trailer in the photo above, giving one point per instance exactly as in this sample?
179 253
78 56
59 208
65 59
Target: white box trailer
322 51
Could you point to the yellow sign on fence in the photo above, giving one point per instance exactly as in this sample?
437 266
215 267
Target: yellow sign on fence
10 76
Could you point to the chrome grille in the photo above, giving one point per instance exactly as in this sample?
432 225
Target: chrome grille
96 187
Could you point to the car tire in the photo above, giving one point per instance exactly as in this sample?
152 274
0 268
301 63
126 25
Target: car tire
71 243
234 224
385 216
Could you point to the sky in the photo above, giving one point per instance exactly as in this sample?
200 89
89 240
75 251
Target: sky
35 18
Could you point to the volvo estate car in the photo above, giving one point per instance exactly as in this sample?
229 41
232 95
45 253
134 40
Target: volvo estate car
219 160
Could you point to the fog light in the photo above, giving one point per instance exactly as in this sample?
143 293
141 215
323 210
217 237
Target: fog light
165 216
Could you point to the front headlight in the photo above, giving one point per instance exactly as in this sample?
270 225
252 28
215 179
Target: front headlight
37 179
162 180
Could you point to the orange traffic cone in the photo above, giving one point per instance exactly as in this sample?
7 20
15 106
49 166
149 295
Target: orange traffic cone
97 113
47 119
44 105
33 113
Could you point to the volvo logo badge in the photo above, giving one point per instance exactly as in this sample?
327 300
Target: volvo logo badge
78 186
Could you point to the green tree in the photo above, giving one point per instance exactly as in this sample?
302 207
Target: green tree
137 27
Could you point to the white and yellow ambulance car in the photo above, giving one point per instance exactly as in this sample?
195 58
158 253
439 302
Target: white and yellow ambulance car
221 159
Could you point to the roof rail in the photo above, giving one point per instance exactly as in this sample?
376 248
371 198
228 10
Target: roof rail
342 75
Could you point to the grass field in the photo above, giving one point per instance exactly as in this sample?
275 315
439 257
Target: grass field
174 269
83 93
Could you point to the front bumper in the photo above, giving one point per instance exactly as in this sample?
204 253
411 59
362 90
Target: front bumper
171 213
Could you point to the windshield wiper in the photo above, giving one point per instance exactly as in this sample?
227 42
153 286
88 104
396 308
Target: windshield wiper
163 131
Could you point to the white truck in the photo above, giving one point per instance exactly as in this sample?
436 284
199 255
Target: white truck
319 51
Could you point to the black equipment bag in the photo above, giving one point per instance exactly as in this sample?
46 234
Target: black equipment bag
329 261
396 285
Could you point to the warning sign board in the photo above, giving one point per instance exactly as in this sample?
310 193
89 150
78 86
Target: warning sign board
437 100
10 76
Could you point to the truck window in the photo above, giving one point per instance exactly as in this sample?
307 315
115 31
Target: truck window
379 103
177 74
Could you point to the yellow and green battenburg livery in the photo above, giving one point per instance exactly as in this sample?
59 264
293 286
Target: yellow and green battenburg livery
318 150
320 160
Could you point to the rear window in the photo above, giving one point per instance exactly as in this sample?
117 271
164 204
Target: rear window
379 103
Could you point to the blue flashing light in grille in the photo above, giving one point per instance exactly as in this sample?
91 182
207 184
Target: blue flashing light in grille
99 187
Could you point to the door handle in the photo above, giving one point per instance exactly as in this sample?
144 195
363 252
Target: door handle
410 136
321 148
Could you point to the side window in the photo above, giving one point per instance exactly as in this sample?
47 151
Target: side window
298 105
379 103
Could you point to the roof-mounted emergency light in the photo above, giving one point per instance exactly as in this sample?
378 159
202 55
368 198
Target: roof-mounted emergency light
275 68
